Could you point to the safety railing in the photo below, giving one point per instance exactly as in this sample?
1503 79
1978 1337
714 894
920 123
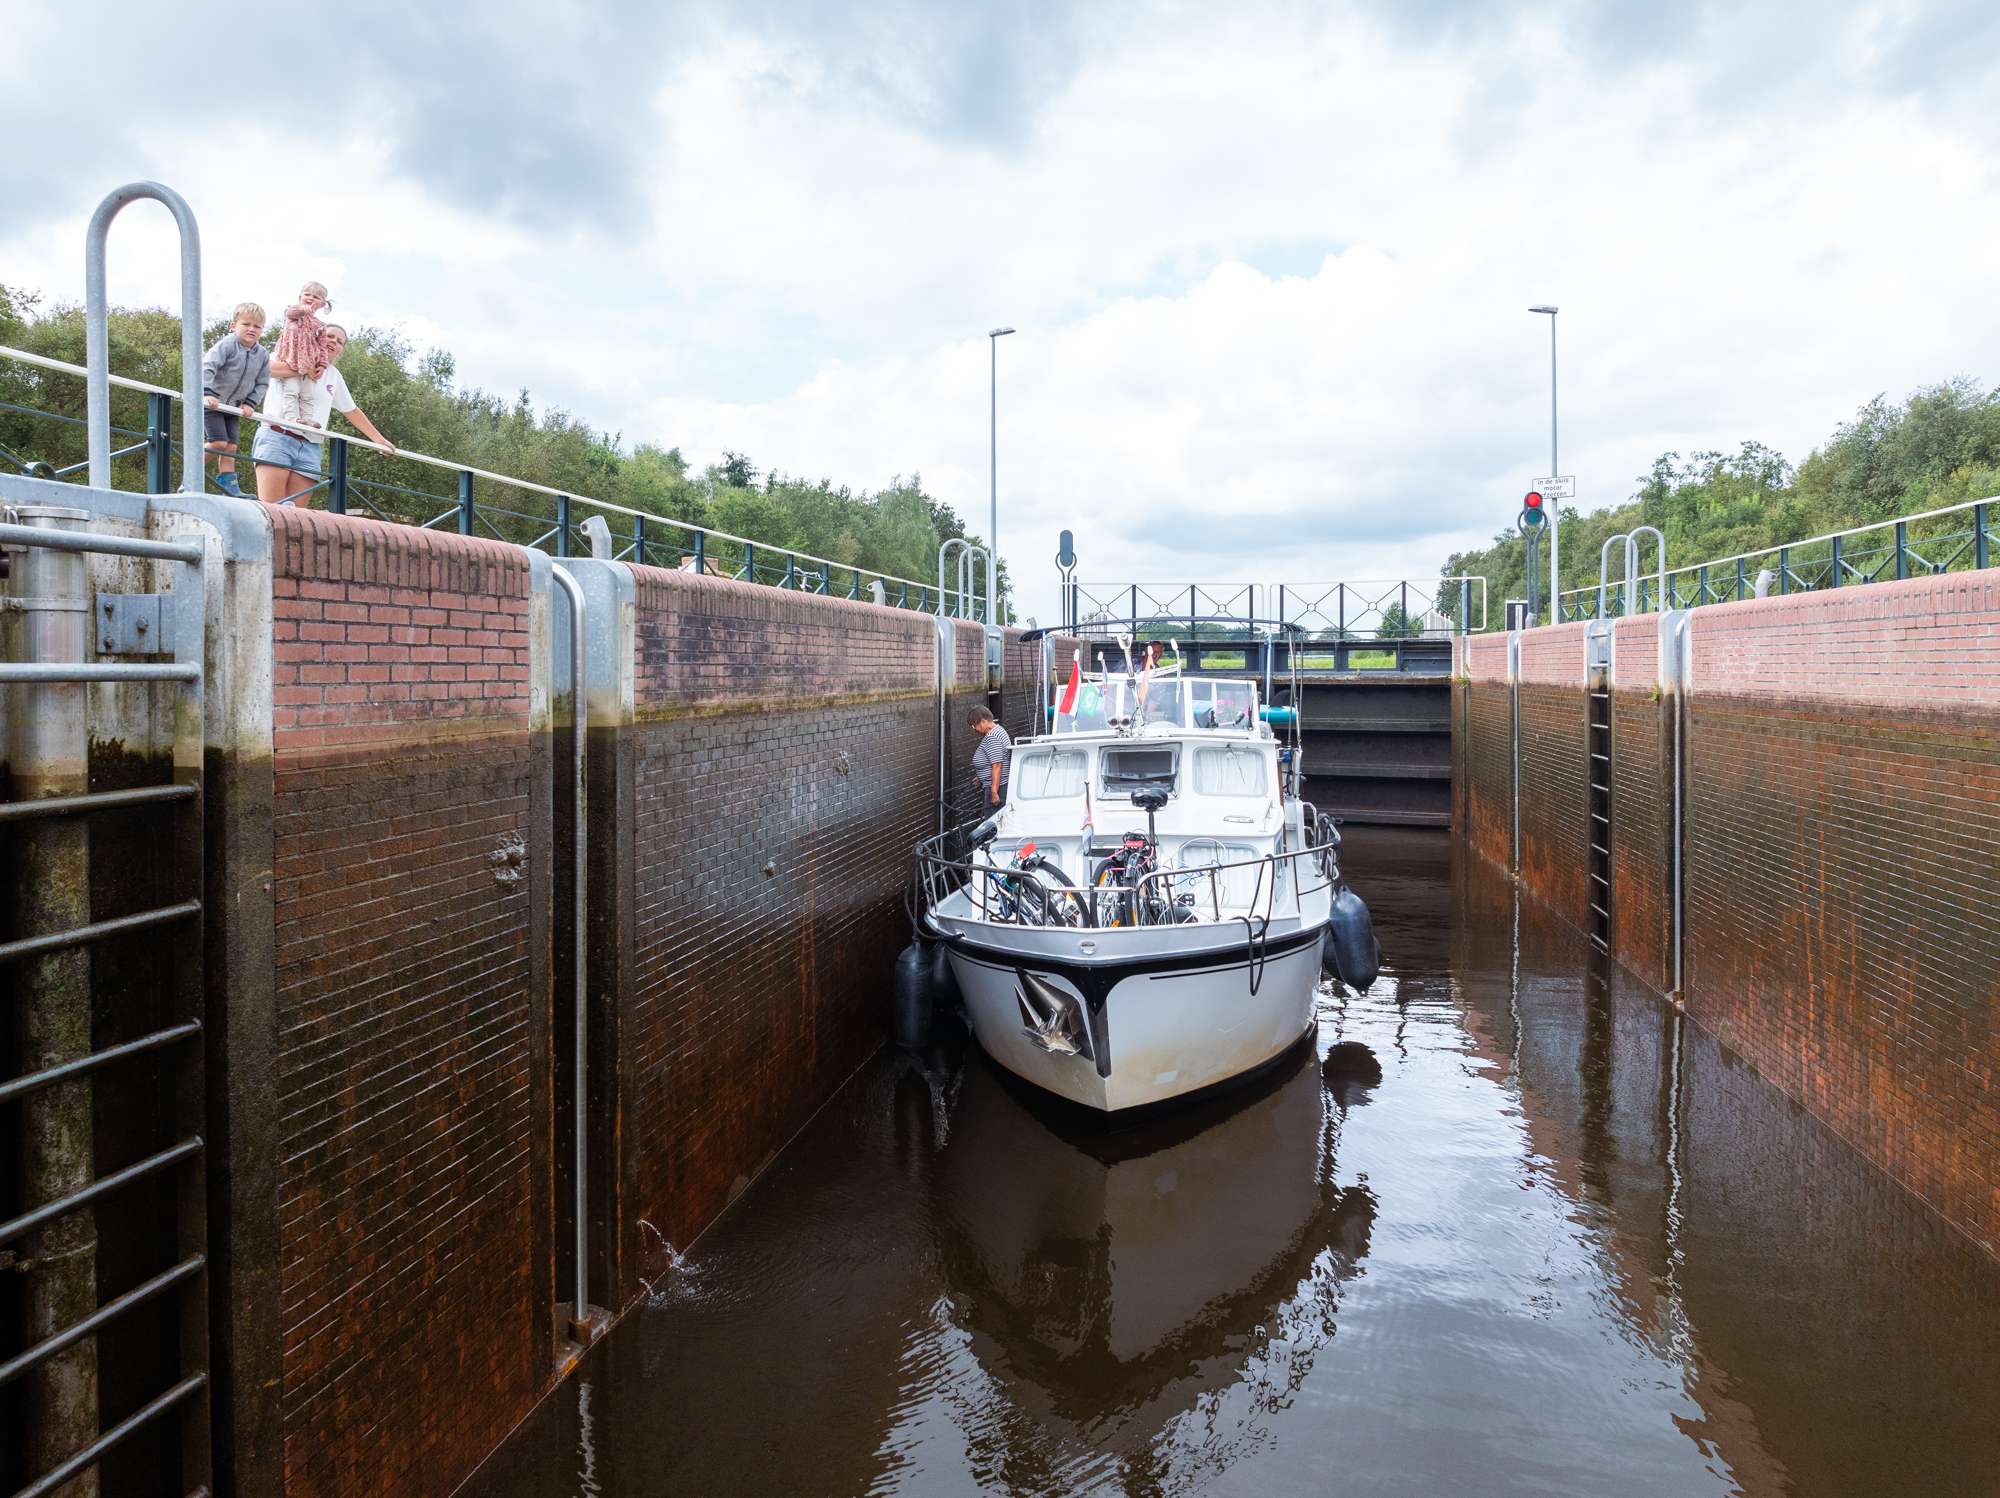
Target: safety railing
146 458
49 597
1954 538
1003 895
1357 610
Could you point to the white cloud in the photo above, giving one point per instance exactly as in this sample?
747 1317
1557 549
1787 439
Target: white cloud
1747 238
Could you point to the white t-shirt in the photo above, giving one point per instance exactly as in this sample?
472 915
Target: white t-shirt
322 396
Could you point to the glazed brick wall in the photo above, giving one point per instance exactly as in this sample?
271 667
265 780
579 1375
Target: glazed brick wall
785 762
1844 808
406 1016
1641 805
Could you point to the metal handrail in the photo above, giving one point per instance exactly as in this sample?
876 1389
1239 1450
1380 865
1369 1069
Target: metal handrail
1978 506
60 366
579 676
1181 603
935 870
97 333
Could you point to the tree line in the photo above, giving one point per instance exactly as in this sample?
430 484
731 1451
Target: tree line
417 400
1939 447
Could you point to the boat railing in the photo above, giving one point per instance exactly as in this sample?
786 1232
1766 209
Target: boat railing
1010 895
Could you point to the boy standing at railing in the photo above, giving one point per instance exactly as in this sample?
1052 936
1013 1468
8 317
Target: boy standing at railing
234 377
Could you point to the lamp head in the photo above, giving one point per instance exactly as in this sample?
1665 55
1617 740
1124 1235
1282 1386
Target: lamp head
1551 311
999 332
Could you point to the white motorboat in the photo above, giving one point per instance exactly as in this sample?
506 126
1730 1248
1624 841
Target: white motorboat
1147 916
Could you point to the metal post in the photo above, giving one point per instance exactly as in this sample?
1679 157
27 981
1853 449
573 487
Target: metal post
791 571
903 597
1979 535
1741 582
97 333
1902 549
1555 471
562 525
749 563
159 443
1193 609
1835 573
464 502
336 479
1135 608
639 541
1465 606
1340 632
580 1082
1784 569
48 747
825 578
853 584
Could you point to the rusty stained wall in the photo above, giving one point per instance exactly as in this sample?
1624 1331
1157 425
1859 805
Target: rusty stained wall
784 762
1842 805
1844 814
411 1084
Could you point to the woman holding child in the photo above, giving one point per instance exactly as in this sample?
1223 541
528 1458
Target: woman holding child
307 389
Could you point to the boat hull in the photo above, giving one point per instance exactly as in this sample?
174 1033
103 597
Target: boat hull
1162 1025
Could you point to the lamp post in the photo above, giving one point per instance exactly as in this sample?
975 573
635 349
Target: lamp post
993 338
1555 510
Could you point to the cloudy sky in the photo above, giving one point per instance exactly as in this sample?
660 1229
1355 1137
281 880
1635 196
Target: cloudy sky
1269 262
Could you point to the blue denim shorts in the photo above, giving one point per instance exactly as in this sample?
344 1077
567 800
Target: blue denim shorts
300 454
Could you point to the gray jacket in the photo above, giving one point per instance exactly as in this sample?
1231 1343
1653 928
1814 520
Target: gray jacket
236 375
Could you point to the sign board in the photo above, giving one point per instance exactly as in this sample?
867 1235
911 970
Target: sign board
1558 486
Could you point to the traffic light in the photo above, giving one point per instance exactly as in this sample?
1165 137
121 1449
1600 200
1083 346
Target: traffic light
1531 510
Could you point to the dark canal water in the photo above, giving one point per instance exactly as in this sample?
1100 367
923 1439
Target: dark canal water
1510 1227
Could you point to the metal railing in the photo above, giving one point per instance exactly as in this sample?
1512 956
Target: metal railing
637 535
1954 538
1361 609
945 864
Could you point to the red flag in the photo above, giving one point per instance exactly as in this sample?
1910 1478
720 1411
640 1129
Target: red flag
1068 703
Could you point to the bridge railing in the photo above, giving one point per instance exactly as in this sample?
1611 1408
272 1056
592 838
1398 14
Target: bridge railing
1955 538
478 501
1361 609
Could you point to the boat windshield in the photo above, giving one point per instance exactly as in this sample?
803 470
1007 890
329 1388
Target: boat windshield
1105 702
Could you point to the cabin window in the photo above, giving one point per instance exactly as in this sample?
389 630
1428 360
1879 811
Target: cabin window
1049 774
1229 771
1128 769
1224 704
1161 703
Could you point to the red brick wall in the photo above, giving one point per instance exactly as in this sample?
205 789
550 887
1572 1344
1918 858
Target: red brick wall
1641 805
1843 803
785 762
1482 747
416 1306
1844 808
1555 812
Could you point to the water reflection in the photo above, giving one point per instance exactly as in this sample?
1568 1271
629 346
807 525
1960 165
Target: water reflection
1514 1226
1147 1296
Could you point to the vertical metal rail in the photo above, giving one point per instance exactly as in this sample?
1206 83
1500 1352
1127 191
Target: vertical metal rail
97 333
66 1068
579 676
1678 643
1514 702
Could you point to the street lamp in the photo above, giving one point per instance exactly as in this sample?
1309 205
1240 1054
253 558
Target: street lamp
993 338
1555 514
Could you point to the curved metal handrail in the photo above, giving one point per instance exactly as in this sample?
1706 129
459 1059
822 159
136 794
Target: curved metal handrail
97 333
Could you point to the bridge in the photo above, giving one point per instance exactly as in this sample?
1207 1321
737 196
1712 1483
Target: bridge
418 938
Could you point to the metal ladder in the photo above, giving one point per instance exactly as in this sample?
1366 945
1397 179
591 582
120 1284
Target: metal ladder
49 592
1599 826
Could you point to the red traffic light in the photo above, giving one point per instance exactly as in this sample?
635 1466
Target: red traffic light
1534 499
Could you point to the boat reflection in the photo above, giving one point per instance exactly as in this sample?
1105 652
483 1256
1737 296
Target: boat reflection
1112 1284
